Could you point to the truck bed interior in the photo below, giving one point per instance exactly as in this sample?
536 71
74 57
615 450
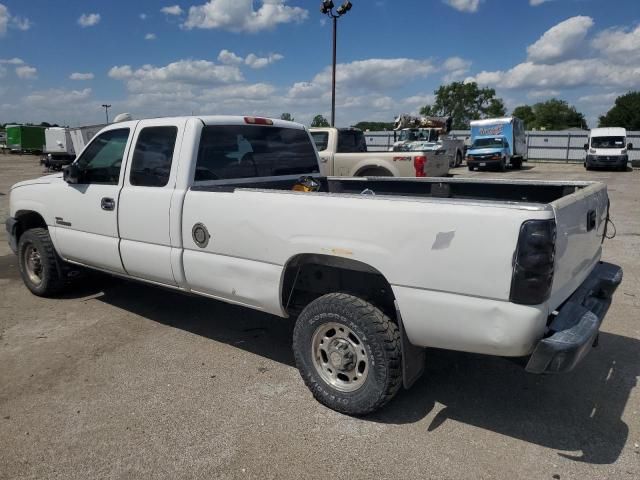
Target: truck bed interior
471 189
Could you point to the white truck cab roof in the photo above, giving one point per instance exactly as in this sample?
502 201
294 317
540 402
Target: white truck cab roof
608 132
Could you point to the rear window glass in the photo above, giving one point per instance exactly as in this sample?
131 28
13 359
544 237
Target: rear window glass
321 139
351 141
246 151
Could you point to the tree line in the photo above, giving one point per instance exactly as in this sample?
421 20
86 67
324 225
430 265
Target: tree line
465 102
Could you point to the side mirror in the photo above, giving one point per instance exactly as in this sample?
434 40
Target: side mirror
71 174
586 147
630 146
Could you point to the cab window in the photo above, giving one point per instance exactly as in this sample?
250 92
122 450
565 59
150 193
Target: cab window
102 159
152 157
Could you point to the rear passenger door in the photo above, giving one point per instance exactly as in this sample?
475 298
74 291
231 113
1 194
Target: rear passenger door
144 208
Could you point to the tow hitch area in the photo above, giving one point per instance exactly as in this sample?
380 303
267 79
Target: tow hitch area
578 322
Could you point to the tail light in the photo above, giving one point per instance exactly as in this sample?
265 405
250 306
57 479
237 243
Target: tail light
419 163
258 121
533 262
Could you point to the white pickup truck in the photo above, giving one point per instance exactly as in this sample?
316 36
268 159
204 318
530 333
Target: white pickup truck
373 269
343 152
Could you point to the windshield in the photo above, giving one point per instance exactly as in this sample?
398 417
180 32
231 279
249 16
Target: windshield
607 142
488 143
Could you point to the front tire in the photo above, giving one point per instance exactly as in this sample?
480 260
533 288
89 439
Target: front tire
40 266
348 353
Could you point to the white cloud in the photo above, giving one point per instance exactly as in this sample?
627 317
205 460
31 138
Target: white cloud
57 98
150 36
240 15
256 62
376 74
571 73
561 41
456 68
88 19
143 16
535 3
12 61
81 76
549 93
172 10
600 98
229 58
4 19
464 5
619 43
176 75
7 20
26 72
3 71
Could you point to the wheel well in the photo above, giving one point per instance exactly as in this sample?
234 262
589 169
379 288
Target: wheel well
310 276
379 170
27 220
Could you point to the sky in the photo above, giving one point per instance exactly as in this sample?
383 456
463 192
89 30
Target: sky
60 60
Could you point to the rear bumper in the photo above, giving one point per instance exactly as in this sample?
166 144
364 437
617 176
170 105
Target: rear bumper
11 224
575 328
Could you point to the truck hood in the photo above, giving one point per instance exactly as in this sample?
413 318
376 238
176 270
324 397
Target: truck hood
54 178
484 151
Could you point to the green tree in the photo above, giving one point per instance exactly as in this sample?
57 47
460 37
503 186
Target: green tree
319 121
525 113
625 113
557 114
288 117
374 126
464 102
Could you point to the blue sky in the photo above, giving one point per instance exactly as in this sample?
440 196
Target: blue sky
60 60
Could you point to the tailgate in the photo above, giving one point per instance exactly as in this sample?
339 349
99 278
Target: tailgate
581 219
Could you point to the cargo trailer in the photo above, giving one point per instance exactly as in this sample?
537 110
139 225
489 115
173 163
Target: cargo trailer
81 136
25 138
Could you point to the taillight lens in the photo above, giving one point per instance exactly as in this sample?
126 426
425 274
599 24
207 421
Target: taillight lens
419 163
533 262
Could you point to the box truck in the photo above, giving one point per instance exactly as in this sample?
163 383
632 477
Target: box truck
498 143
58 150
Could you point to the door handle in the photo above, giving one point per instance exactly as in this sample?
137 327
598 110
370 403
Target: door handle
107 203
591 220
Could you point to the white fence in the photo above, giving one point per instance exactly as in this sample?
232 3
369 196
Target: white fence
565 146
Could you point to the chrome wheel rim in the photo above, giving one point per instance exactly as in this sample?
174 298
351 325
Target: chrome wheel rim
33 264
339 357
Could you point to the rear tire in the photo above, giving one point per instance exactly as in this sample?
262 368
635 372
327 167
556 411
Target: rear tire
348 353
516 163
40 266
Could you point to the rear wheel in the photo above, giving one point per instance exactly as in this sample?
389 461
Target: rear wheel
516 163
40 267
348 353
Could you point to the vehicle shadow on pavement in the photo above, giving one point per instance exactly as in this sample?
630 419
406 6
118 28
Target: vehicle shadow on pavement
576 412
579 413
256 332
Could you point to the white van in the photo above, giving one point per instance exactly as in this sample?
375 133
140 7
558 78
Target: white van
607 147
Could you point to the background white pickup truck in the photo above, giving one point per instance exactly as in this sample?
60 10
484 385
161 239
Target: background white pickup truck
373 269
343 152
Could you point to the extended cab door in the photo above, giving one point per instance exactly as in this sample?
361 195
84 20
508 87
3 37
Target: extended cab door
86 221
145 201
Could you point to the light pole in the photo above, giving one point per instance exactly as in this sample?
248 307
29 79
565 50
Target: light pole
106 110
327 8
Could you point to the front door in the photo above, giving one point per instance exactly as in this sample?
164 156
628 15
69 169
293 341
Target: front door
86 213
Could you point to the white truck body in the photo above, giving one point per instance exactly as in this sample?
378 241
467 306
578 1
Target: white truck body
441 250
607 147
81 136
58 141
351 159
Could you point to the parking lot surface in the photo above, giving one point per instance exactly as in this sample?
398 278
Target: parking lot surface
123 380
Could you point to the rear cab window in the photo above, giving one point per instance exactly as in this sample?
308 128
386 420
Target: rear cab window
250 151
351 141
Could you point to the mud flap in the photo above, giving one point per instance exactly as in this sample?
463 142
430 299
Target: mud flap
413 357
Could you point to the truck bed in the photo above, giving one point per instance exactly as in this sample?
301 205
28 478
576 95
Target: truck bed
527 191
